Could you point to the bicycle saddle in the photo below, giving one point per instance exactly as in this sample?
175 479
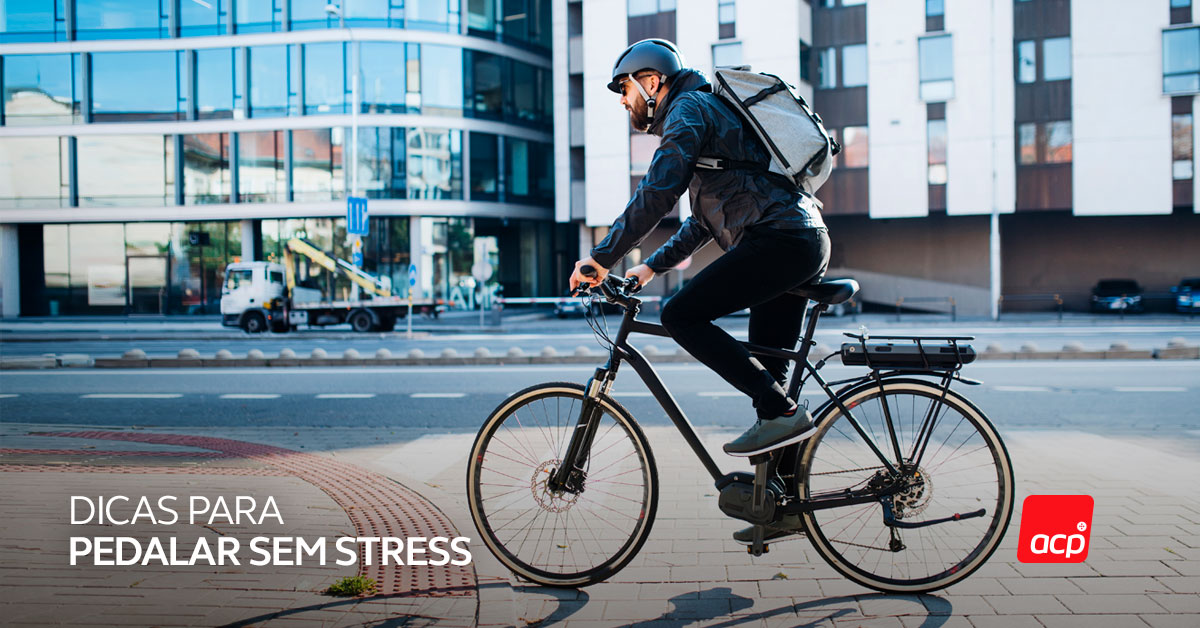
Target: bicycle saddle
829 292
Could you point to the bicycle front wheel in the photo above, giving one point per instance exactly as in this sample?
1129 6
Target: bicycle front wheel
559 538
964 468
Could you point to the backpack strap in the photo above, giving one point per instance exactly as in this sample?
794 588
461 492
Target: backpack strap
718 163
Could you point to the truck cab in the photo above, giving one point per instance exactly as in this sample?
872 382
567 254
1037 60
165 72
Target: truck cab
252 296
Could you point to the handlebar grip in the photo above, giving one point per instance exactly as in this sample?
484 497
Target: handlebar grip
587 270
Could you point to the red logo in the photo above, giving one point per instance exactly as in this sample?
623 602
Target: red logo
1055 529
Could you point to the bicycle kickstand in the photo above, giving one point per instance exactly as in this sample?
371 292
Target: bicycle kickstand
762 473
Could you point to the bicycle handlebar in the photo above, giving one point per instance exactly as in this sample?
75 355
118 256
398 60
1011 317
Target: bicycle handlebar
613 287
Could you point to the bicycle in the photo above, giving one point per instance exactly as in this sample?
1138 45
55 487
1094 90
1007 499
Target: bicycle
905 488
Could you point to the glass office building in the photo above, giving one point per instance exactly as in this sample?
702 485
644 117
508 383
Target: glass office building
145 144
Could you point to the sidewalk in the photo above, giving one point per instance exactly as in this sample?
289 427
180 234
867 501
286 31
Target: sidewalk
1142 568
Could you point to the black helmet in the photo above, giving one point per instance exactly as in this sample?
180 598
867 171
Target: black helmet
659 55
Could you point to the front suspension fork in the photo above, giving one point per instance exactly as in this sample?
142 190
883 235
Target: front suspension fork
571 473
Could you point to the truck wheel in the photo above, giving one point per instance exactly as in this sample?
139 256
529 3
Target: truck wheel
361 321
254 323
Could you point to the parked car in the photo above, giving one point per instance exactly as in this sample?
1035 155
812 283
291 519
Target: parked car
1117 295
1187 295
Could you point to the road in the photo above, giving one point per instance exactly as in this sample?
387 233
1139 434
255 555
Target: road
1147 398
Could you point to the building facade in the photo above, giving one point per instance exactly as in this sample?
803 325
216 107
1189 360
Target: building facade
145 144
997 154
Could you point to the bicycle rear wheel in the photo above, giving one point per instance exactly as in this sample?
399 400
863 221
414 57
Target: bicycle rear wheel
560 538
965 467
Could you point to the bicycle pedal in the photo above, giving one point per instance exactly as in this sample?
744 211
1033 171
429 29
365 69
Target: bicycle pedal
766 549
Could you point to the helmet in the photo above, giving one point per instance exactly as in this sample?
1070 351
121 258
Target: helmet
659 55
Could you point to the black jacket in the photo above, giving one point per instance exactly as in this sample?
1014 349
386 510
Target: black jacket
693 123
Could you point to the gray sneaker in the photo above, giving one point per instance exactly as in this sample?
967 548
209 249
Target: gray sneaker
788 526
772 434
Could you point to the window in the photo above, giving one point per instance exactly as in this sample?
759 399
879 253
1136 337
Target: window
206 177
1181 60
210 17
1181 146
1044 143
33 20
116 170
325 88
316 165
1027 144
260 16
441 80
485 167
1056 59
275 276
34 172
852 3
854 147
726 55
1180 4
854 65
261 175
529 172
432 15
269 81
382 67
805 60
726 19
934 8
937 152
486 97
381 161
1058 142
481 16
136 86
42 89
309 14
215 72
937 68
235 279
524 97
1027 62
434 164
827 68
650 7
121 19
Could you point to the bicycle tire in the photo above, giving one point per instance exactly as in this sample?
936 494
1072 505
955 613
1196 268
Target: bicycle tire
547 448
848 548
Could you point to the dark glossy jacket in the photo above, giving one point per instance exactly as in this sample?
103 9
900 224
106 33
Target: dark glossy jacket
694 123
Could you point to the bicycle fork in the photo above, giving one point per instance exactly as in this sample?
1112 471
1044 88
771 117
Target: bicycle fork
572 471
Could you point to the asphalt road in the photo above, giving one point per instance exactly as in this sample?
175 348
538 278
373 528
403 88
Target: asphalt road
1148 398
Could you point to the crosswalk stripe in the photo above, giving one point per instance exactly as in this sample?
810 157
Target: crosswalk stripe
251 396
131 396
438 395
1150 389
346 396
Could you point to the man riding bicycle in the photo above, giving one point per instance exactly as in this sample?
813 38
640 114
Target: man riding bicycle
772 234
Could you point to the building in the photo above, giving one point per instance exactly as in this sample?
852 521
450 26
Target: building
145 144
1000 152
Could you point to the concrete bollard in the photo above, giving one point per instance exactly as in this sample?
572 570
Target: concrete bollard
515 352
994 348
318 354
382 354
255 354
1178 342
549 352
134 354
416 354
482 352
1072 347
1119 346
651 350
820 351
350 354
188 354
1029 347
224 354
286 353
448 353
583 351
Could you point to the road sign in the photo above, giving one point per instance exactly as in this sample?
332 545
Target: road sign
412 274
481 271
356 216
356 253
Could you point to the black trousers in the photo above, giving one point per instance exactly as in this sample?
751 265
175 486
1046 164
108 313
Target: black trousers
757 274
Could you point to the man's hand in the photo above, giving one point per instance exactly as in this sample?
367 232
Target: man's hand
643 273
577 277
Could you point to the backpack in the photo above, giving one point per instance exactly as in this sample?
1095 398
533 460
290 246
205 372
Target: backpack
800 147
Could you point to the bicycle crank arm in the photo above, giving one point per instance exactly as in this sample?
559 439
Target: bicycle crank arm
889 518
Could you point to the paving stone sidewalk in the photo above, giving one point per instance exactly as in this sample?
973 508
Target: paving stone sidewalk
1143 568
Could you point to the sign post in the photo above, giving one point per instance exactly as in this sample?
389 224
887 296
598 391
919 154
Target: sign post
412 284
481 271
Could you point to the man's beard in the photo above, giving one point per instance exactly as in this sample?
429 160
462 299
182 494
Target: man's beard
638 118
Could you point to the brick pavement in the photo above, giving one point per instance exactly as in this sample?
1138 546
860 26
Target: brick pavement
1141 570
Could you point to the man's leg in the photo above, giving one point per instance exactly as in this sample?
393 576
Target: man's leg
777 323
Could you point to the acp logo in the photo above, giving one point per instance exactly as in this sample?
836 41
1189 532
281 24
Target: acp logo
1055 529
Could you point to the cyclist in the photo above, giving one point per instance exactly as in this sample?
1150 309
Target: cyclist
772 234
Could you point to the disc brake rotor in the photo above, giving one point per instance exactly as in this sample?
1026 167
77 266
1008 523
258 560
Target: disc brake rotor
548 500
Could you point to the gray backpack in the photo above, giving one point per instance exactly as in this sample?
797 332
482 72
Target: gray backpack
800 147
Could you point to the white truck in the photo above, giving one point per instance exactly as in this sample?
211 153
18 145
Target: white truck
258 296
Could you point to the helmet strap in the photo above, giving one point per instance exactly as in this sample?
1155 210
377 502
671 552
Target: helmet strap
650 100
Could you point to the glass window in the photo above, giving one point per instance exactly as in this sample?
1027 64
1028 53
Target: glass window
441 80
518 177
1180 4
434 164
1027 144
215 72
726 55
325 86
524 83
827 68
934 8
382 68
1026 61
1058 142
269 78
1181 60
206 176
117 170
852 3
235 279
33 20
261 175
412 77
203 17
34 172
97 262
121 19
147 238
854 65
259 16
136 86
1056 59
1181 146
306 14
316 164
56 261
381 162
432 15
937 68
642 7
937 152
486 98
726 12
485 167
641 152
42 89
805 61
481 16
854 147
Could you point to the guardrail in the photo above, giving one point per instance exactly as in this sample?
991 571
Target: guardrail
948 300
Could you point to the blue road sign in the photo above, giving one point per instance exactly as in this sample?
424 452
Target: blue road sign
357 258
412 274
356 216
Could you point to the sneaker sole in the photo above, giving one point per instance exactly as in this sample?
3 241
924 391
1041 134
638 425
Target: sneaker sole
783 443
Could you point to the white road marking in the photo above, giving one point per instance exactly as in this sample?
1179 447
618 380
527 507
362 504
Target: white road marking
8 396
346 396
721 393
131 396
1150 389
251 396
438 395
636 393
1020 388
